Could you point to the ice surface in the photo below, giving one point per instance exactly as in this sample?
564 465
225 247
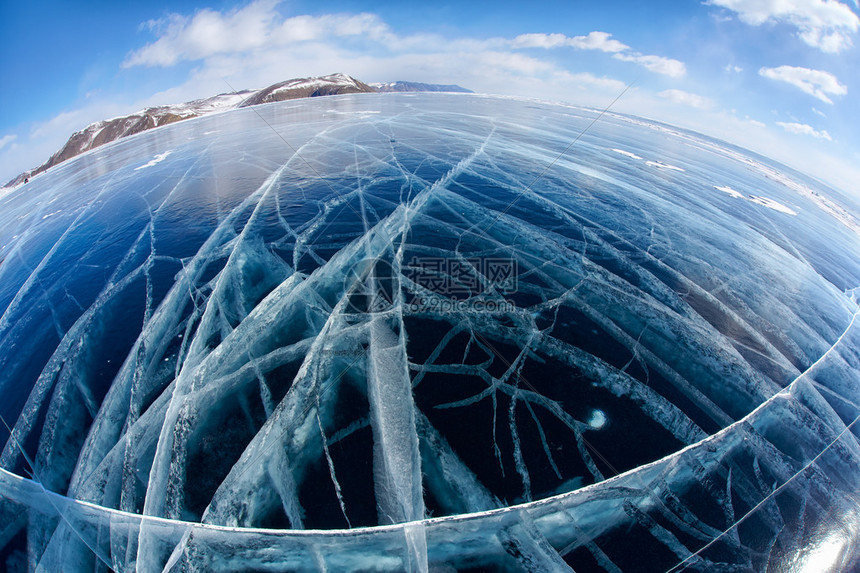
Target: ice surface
401 342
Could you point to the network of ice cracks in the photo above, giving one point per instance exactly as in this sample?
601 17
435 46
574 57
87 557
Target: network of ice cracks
231 357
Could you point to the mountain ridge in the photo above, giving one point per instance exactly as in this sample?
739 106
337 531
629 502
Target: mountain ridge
401 86
107 130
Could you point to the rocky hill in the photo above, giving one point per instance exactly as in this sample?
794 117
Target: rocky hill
108 130
335 84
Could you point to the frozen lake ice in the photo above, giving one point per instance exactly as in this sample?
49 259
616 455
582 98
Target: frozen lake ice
397 332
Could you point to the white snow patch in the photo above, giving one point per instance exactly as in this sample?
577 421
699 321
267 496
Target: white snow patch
300 85
626 153
826 204
312 83
771 204
597 419
157 159
661 165
729 190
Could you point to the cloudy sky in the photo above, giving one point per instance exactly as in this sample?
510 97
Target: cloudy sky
780 77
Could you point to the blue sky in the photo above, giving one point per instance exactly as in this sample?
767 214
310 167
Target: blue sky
776 76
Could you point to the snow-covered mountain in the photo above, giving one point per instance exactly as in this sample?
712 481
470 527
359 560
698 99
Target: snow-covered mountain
108 130
334 84
419 87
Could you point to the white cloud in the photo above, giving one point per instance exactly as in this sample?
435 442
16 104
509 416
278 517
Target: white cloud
518 63
657 64
205 34
593 41
803 129
585 80
817 83
257 32
598 41
686 98
305 28
269 47
603 42
824 24
541 41
258 25
6 140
